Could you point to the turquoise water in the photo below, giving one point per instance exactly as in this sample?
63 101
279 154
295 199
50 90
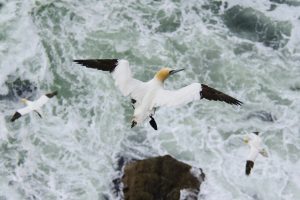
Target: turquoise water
72 152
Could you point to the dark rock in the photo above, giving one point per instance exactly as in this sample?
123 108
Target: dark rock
254 25
159 178
262 115
287 2
1 5
19 89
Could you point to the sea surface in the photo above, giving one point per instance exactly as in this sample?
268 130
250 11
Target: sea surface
72 153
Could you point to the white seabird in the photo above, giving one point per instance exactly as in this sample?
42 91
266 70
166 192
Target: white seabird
254 141
147 96
33 105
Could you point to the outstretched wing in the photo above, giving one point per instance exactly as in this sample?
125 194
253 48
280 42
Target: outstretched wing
192 92
33 106
177 97
213 94
44 99
100 64
121 73
41 101
21 112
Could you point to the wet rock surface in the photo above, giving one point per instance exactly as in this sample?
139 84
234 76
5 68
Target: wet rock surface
159 178
254 25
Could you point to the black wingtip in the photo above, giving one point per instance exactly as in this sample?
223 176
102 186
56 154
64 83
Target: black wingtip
100 64
238 103
249 166
256 132
52 94
153 123
210 93
78 61
15 116
233 101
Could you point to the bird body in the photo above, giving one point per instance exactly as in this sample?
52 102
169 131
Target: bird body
147 96
146 106
254 141
33 105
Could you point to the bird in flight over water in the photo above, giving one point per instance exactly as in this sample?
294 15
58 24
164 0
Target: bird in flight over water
33 106
147 96
254 141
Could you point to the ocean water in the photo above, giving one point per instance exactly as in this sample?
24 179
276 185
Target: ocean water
72 153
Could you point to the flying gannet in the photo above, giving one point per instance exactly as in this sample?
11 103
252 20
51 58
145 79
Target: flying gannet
254 141
33 106
147 96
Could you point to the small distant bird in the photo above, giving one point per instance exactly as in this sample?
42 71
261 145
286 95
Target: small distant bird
254 141
33 106
147 96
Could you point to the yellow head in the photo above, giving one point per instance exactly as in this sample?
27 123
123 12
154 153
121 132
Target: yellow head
165 72
246 139
24 101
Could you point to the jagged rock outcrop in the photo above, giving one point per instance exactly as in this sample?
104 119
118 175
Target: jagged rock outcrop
254 25
160 178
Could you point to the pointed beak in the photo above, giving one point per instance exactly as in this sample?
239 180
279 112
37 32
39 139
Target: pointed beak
175 71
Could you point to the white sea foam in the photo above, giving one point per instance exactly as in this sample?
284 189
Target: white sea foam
71 153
